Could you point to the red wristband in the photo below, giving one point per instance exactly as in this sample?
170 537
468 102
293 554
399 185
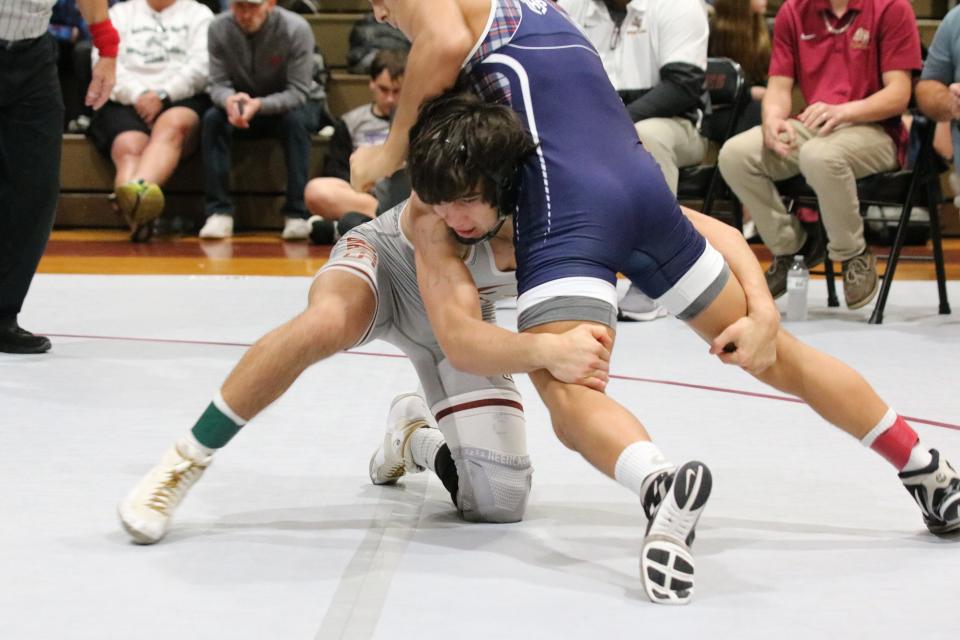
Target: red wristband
105 38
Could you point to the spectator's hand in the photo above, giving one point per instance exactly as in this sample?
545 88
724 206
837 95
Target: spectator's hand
580 356
825 117
234 105
955 103
101 84
779 136
757 93
367 165
750 342
148 107
248 109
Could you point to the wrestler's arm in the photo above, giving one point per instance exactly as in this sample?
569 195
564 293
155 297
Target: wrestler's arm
762 321
441 42
481 348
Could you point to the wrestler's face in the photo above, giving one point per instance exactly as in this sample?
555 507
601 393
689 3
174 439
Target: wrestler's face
469 217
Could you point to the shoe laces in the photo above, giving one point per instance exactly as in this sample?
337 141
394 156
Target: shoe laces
857 270
779 263
177 479
656 492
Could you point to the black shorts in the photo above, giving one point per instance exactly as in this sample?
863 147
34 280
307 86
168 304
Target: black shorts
114 118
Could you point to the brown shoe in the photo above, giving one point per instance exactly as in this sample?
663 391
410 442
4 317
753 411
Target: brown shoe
860 280
813 252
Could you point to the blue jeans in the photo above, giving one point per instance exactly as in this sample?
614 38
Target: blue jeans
292 128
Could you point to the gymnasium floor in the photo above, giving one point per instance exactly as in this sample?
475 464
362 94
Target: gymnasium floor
807 535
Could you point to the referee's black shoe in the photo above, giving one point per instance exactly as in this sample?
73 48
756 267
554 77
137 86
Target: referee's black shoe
13 339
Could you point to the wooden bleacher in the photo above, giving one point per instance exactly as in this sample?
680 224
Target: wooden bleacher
86 177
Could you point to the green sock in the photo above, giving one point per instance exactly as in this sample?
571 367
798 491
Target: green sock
218 424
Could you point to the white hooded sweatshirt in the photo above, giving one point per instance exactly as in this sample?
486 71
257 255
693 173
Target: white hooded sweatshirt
165 51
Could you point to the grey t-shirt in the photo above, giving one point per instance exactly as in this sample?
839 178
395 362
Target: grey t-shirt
275 64
943 64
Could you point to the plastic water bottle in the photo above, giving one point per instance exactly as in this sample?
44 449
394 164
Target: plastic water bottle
797 278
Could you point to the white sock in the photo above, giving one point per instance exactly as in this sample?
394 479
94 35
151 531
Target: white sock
424 445
638 461
195 450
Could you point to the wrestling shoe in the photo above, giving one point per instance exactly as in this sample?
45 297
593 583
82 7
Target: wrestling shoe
147 510
666 565
140 203
393 459
936 488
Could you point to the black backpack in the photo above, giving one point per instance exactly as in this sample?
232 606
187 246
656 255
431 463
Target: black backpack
366 38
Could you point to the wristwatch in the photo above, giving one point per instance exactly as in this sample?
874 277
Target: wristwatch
164 98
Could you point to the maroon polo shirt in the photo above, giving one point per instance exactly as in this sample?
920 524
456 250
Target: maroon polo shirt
836 60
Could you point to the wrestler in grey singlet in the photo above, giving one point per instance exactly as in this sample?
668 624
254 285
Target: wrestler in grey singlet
480 417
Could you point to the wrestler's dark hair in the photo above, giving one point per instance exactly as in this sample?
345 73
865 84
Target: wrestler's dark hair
461 145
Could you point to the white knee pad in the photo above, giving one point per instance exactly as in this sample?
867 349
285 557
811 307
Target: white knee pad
486 433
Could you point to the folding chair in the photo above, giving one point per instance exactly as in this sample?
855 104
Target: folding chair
728 92
906 189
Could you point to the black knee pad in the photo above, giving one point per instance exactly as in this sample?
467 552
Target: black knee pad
351 220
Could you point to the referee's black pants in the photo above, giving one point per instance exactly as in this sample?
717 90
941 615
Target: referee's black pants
31 126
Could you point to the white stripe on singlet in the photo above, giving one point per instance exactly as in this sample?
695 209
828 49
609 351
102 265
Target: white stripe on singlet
514 64
24 19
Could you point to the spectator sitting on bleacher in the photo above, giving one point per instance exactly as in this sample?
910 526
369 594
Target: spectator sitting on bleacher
262 83
938 92
852 60
331 197
655 53
154 111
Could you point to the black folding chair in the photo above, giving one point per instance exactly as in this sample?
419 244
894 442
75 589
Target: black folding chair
906 189
728 93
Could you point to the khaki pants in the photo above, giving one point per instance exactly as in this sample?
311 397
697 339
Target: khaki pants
673 143
830 164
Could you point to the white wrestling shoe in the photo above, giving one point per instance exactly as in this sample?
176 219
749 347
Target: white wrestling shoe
393 458
666 565
147 510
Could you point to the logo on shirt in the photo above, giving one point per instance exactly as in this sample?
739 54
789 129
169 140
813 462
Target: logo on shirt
861 39
635 25
537 6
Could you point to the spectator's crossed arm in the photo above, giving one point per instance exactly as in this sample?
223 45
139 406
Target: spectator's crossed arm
682 51
938 95
220 86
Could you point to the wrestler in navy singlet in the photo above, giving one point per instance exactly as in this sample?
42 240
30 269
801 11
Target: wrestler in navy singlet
594 201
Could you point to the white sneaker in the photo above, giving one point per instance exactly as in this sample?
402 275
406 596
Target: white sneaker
147 510
393 458
666 565
217 227
637 306
296 229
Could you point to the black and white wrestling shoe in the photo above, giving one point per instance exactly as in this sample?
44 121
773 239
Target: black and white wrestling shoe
666 564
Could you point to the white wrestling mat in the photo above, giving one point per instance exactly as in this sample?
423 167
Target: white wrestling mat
807 535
